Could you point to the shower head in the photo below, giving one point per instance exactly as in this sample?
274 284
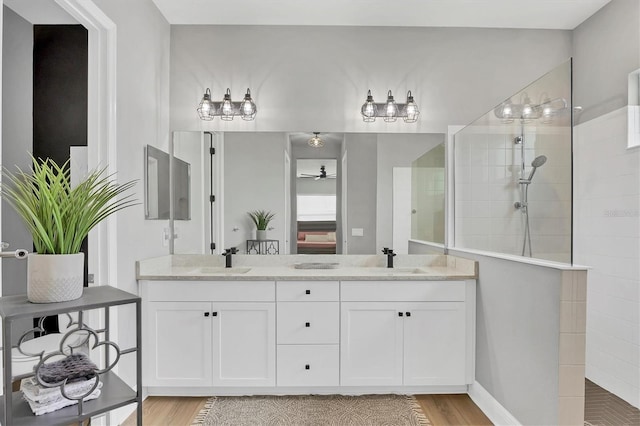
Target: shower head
537 162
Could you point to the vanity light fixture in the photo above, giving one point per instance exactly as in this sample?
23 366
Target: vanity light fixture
390 110
227 109
526 111
315 141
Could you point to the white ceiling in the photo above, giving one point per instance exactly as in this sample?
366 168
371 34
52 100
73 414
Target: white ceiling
542 14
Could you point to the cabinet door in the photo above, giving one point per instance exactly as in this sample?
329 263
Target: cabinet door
434 343
244 344
371 344
180 344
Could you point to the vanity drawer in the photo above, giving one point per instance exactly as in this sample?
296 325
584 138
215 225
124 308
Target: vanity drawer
218 291
308 291
312 322
308 365
403 291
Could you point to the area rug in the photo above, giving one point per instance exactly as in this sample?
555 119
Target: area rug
312 410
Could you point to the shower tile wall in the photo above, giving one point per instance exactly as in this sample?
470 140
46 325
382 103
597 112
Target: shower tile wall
487 169
607 238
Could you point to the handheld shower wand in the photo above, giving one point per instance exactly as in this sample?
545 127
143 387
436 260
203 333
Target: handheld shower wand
537 162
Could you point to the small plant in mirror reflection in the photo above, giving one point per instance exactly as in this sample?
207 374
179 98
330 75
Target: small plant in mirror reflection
261 218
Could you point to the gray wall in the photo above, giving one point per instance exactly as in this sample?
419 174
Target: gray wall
517 335
361 192
17 134
397 150
316 78
253 180
142 115
606 48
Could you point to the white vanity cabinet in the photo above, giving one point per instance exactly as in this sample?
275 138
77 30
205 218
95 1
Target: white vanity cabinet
308 325
406 333
203 334
241 337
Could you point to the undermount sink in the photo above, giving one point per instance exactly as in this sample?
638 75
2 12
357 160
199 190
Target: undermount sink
220 270
403 271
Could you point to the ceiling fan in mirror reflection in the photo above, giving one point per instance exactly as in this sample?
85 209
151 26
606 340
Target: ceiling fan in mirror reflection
322 175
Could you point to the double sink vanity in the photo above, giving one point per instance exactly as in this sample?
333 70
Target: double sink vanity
299 324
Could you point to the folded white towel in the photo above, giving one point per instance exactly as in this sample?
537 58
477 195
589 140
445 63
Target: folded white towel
34 392
39 408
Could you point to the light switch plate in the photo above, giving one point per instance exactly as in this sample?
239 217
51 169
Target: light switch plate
357 232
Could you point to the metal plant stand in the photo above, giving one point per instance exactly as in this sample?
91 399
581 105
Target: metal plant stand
263 246
115 393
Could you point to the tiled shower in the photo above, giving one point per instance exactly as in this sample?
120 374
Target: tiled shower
493 161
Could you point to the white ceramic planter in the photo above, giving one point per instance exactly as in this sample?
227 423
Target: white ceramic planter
261 234
54 277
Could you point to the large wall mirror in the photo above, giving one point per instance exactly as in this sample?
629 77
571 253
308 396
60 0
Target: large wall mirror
366 191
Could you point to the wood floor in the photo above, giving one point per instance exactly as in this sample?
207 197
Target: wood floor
439 409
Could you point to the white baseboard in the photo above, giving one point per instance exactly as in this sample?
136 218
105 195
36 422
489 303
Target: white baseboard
490 406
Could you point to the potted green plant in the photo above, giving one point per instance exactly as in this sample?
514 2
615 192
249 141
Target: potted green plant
59 218
261 219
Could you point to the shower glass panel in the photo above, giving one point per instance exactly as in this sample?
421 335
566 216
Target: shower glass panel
513 173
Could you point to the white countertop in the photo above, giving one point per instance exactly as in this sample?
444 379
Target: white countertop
282 268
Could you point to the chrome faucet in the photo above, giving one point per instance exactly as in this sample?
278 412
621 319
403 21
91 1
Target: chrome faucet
227 254
390 254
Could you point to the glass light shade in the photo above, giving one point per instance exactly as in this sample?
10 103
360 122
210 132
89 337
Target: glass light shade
248 108
205 108
226 107
505 112
547 113
411 110
529 112
315 141
390 109
369 109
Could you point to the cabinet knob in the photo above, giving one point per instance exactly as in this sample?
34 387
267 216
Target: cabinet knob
307 292
307 324
206 314
307 367
408 314
215 314
400 314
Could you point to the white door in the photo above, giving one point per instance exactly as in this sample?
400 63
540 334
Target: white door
401 209
371 344
434 343
180 344
244 344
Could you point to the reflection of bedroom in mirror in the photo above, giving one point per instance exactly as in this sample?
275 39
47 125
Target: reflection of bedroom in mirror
316 206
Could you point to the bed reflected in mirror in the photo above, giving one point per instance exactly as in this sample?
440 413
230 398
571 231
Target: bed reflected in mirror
316 206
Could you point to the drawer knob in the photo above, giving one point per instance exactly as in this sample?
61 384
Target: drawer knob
400 314
307 292
307 324
215 314
206 314
408 314
307 367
